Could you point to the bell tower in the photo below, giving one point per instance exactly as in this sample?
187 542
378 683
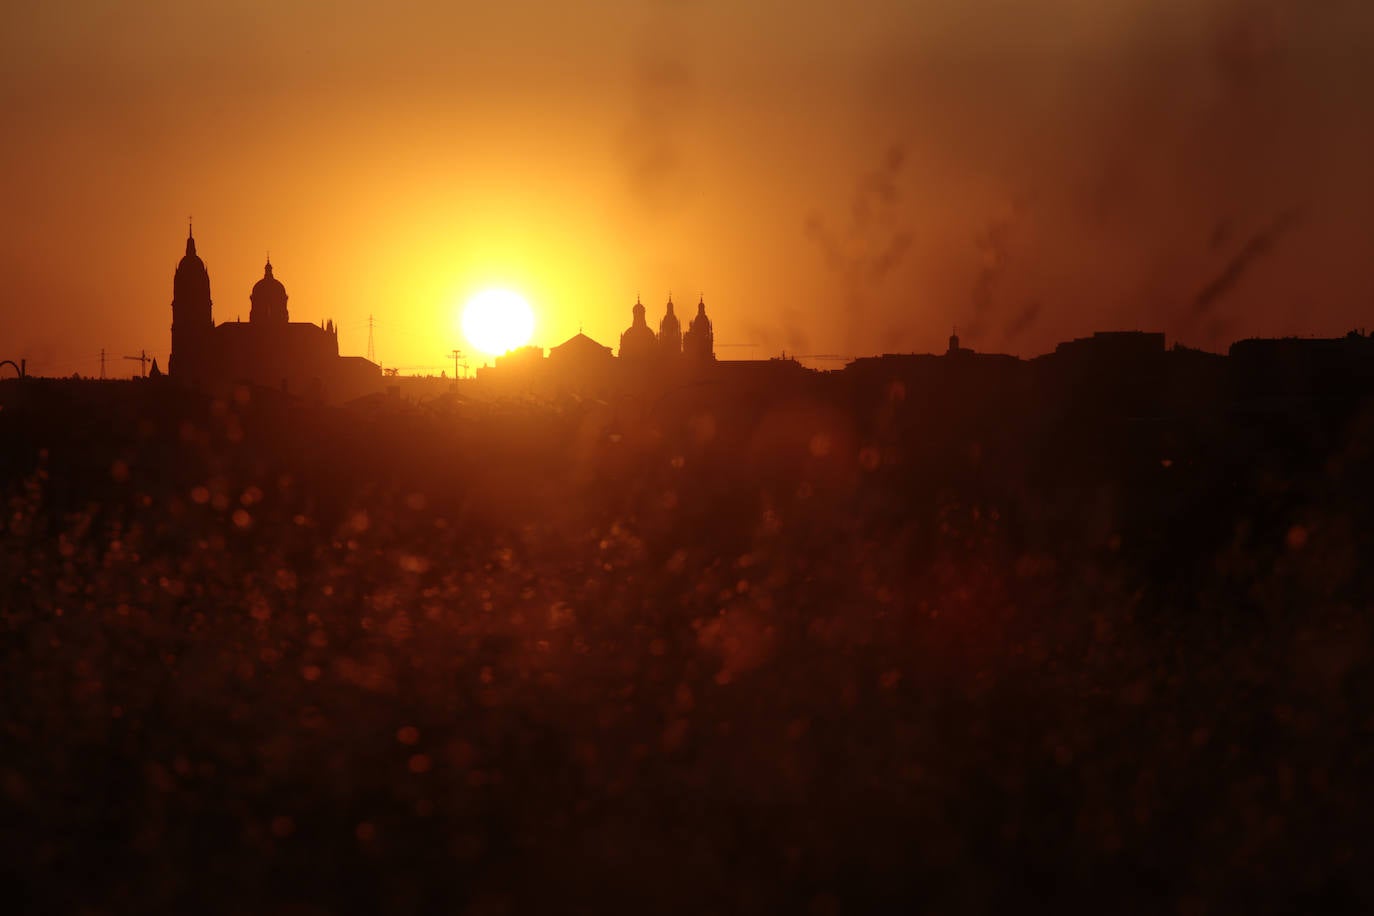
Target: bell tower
670 332
192 322
699 343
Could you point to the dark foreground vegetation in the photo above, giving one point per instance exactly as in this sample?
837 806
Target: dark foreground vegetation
848 654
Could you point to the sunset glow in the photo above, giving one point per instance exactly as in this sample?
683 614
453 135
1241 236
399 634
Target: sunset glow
497 320
696 455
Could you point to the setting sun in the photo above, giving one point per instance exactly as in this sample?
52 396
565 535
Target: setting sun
497 320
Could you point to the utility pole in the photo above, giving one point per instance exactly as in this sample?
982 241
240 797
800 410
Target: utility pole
142 360
457 355
371 350
102 362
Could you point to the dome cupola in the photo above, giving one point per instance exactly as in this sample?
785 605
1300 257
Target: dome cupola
638 341
268 299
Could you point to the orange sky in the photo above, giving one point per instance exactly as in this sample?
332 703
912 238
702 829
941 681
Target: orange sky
836 178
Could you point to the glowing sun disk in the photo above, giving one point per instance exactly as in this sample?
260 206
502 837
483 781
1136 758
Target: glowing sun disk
497 320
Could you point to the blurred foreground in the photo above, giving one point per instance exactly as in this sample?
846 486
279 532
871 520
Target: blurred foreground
820 655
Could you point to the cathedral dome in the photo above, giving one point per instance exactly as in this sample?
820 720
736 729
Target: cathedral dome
638 342
268 298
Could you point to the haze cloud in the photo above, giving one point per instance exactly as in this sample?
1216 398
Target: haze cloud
1255 248
1128 134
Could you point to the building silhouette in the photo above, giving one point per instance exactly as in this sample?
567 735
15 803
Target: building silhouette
645 362
269 350
670 333
638 344
699 343
580 357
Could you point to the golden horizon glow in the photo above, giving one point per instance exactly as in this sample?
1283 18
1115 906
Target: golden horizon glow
496 321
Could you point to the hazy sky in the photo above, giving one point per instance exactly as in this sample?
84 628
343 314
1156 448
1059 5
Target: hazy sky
836 177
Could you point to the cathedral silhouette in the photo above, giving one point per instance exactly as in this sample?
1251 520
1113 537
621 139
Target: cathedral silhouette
269 350
641 346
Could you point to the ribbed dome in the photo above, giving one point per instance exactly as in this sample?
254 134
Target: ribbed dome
268 285
638 341
268 298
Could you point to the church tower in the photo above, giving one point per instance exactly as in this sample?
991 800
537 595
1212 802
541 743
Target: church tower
192 324
699 343
268 299
670 333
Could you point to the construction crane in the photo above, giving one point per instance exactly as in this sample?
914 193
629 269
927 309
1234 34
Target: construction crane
142 360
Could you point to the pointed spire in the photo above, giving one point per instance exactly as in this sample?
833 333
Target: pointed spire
267 270
190 239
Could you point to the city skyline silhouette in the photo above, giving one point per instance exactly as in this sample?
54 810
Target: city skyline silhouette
192 285
653 456
1030 176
